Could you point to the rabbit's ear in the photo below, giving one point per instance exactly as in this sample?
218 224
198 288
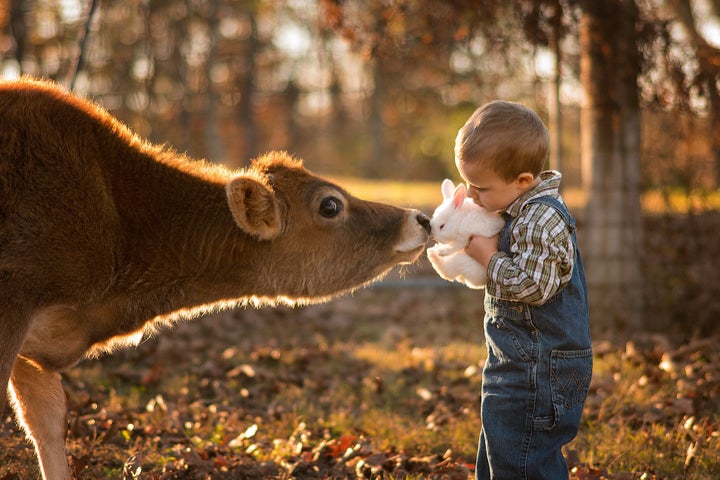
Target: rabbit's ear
447 189
459 195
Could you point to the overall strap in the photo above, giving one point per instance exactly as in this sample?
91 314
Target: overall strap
557 205
504 243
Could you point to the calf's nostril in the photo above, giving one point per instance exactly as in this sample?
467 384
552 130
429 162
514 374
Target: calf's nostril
424 221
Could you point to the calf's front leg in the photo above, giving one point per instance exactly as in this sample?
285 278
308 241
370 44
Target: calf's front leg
39 403
14 324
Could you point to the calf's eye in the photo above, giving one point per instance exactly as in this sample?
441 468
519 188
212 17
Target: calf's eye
330 207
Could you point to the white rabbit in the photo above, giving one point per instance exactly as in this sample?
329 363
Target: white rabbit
455 220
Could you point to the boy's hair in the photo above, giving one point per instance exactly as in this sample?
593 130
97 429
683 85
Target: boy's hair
506 137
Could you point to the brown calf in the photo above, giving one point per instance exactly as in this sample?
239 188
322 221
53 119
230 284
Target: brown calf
103 236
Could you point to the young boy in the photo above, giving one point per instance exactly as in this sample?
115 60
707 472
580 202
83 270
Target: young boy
537 330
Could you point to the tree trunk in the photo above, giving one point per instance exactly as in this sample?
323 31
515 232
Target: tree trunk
714 116
18 27
246 86
610 140
376 163
214 144
554 102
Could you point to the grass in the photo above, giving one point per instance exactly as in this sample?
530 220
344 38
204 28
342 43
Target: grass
426 195
643 420
420 195
363 386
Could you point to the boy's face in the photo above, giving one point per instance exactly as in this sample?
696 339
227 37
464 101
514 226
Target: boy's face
489 190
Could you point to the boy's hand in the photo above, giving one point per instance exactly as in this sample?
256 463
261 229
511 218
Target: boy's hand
481 249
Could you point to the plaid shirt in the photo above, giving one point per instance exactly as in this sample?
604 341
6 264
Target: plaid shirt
542 249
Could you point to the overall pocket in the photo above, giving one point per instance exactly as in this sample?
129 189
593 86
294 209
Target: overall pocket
570 375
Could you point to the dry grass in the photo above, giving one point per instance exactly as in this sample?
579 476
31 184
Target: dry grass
421 195
359 388
426 195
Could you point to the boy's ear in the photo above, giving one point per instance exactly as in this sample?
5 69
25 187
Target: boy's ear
524 179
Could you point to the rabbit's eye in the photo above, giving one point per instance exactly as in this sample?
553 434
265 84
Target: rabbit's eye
442 226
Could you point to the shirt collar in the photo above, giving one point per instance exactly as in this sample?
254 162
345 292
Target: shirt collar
549 185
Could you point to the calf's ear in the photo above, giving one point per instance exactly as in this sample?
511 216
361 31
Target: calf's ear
254 207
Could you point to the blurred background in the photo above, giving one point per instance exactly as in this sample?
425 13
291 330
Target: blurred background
351 85
366 90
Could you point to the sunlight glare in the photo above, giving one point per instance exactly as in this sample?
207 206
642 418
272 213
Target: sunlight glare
71 10
710 29
544 63
707 22
293 39
10 70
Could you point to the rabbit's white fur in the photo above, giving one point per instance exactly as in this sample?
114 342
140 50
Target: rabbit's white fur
455 220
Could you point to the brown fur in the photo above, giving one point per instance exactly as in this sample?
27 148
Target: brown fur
103 235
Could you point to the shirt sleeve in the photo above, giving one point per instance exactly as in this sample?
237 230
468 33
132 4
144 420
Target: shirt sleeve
541 260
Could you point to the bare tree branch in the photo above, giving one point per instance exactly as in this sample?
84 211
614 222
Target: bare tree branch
83 43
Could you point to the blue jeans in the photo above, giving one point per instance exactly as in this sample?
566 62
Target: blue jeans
535 381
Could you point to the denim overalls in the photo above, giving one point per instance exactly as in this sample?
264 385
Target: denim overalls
536 376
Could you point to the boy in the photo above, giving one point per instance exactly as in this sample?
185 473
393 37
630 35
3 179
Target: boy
537 330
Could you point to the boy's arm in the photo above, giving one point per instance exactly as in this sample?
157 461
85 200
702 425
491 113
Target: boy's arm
541 262
482 249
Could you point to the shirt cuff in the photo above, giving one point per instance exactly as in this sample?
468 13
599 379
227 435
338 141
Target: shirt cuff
499 262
